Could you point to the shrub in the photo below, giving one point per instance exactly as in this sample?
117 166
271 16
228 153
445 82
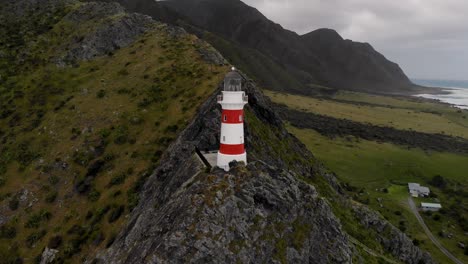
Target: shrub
436 217
101 93
118 179
82 157
99 214
53 179
121 135
94 195
104 133
34 237
25 155
438 181
2 179
116 213
50 198
35 219
123 72
7 232
55 242
13 204
172 128
111 240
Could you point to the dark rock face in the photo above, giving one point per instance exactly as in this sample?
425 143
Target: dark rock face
109 36
358 64
332 127
320 57
252 214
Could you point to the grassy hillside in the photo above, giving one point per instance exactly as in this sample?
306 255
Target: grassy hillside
376 174
77 142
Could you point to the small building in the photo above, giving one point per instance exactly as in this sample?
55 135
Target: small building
416 190
431 207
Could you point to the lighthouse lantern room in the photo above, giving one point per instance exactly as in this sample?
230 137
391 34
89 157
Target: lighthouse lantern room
232 101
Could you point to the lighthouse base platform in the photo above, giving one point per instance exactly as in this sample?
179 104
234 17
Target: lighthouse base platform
223 160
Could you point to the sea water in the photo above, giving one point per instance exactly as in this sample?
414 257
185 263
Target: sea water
457 91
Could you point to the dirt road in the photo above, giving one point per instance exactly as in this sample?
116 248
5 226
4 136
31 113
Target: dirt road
428 232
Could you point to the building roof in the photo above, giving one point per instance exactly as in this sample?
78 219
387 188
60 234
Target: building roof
423 189
416 187
431 205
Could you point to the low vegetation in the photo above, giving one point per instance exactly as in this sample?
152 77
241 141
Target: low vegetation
77 142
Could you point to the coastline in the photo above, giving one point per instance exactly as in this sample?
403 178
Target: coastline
455 96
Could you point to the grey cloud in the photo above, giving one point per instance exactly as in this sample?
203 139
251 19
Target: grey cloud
428 38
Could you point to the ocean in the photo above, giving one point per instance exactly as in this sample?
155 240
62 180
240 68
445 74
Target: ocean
458 91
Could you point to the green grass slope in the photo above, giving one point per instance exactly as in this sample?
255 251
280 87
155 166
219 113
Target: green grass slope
77 142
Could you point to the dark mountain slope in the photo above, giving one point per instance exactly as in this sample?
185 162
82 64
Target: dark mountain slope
354 63
321 57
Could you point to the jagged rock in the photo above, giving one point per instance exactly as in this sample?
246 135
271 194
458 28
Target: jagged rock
109 36
48 255
250 214
334 127
393 240
209 54
257 213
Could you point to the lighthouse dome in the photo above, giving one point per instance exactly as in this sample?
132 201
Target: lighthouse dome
233 81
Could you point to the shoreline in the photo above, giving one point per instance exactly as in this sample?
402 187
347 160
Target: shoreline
454 96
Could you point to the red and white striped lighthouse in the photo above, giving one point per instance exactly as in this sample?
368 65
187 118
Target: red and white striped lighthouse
232 101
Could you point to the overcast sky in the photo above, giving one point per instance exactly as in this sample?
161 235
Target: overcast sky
427 38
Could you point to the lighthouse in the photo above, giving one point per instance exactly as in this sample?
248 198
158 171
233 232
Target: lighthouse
232 101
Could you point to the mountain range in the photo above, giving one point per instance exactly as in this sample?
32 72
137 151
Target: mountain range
279 58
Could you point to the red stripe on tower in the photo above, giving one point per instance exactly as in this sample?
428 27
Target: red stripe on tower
232 116
232 149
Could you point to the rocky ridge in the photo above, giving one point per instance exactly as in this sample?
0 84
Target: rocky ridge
254 213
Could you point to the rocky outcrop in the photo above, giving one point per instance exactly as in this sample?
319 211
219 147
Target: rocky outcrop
254 214
48 255
333 127
261 212
110 35
392 239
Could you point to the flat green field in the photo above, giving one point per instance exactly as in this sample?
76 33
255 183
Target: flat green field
405 114
380 171
381 163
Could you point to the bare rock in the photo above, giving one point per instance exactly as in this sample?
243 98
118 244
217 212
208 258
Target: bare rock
391 238
48 255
